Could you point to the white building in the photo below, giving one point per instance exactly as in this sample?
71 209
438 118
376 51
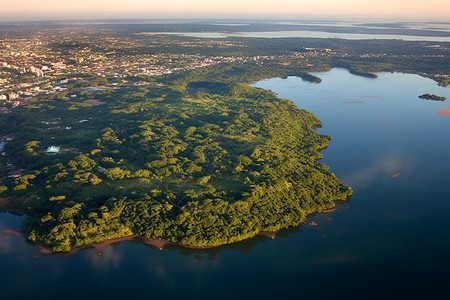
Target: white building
53 150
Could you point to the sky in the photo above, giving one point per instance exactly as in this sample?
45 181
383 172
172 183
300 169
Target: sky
12 10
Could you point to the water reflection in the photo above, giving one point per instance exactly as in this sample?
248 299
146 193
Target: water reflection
6 244
11 241
384 168
110 257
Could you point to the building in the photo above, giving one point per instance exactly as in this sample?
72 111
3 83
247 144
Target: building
53 150
12 96
17 173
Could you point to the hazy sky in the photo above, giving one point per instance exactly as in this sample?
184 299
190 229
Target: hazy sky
85 9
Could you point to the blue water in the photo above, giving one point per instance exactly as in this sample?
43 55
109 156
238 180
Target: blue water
391 240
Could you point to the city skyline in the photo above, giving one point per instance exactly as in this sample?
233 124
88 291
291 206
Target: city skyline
103 9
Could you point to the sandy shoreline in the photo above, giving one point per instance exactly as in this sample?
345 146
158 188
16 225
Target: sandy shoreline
157 243
326 211
160 244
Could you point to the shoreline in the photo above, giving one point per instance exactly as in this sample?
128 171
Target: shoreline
157 243
17 211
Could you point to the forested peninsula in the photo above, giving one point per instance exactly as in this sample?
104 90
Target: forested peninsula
192 162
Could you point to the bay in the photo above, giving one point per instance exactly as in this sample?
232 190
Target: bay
391 239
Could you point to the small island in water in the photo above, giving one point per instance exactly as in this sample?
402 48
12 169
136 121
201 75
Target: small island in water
432 97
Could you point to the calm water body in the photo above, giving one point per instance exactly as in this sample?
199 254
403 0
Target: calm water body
390 240
307 34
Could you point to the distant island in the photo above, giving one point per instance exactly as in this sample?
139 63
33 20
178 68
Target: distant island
308 77
432 97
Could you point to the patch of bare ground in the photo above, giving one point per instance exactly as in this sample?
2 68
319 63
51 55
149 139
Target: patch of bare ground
325 211
94 102
270 234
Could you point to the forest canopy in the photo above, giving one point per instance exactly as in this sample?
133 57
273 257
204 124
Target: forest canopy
186 160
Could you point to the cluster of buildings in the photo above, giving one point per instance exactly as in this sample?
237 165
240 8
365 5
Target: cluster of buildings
33 64
42 63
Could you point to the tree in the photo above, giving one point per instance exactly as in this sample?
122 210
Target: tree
117 173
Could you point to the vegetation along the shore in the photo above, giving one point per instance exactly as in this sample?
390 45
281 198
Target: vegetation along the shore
188 161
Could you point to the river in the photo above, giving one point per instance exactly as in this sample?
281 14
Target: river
390 240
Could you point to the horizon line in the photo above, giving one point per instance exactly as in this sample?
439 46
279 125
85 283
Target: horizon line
254 17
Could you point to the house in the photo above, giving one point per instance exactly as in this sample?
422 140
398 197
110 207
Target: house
53 150
17 173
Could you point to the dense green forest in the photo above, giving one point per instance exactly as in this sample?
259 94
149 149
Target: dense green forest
184 159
